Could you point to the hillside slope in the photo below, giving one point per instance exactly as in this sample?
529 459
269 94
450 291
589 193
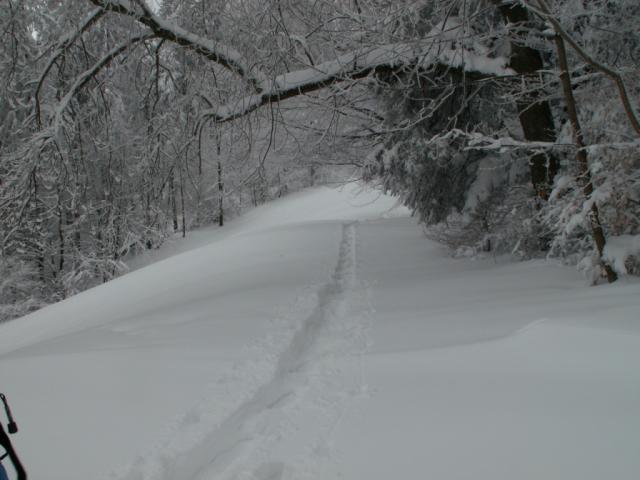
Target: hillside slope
323 337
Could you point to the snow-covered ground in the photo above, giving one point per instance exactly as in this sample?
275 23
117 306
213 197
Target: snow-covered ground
323 337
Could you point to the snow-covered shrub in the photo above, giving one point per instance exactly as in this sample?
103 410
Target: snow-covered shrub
616 178
20 292
430 177
447 185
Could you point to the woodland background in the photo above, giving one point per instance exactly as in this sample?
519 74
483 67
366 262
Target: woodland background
507 126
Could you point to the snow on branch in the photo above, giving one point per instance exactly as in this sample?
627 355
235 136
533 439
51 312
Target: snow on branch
440 48
65 42
543 11
88 75
478 141
619 249
217 52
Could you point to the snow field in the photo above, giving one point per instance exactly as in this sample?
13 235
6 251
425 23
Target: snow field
323 337
286 385
486 369
149 366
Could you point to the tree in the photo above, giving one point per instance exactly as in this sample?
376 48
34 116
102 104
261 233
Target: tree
534 110
584 175
123 125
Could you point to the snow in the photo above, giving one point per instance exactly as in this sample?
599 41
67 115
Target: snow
444 45
619 249
225 53
323 336
491 173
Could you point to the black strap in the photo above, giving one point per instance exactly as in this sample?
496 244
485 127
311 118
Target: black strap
11 453
12 426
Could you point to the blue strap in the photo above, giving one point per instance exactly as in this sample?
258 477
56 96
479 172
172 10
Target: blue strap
3 473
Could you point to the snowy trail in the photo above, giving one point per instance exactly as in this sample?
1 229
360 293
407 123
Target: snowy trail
245 358
312 375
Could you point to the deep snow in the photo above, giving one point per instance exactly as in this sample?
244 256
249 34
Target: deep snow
323 336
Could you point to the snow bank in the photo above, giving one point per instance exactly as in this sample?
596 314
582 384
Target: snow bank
322 336
619 249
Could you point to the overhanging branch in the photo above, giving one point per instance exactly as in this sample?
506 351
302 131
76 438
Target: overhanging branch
357 65
60 49
543 11
86 76
223 55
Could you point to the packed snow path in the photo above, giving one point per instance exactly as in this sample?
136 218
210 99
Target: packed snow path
261 421
242 445
324 337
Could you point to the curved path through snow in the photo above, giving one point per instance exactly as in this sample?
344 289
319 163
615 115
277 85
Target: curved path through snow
245 359
309 378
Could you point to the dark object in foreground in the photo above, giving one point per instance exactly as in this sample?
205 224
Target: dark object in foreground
5 442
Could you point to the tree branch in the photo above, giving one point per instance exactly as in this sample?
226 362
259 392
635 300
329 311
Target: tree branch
357 65
221 54
90 73
543 11
60 49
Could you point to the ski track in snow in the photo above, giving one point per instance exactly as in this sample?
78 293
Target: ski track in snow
315 355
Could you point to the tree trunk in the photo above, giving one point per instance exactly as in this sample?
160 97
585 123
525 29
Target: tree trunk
38 244
183 208
172 199
581 156
534 113
220 193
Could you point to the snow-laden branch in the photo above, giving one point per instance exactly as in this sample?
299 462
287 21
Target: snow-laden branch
478 141
220 53
440 48
544 11
86 76
65 42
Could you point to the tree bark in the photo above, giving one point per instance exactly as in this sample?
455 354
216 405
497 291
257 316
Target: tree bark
581 156
534 112
172 199
220 194
544 12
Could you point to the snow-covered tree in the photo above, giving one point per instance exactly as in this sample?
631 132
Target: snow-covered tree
123 124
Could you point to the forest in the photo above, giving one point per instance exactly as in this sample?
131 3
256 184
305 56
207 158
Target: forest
506 126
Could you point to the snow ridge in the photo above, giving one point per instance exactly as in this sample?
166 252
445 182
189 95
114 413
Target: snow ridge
317 374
